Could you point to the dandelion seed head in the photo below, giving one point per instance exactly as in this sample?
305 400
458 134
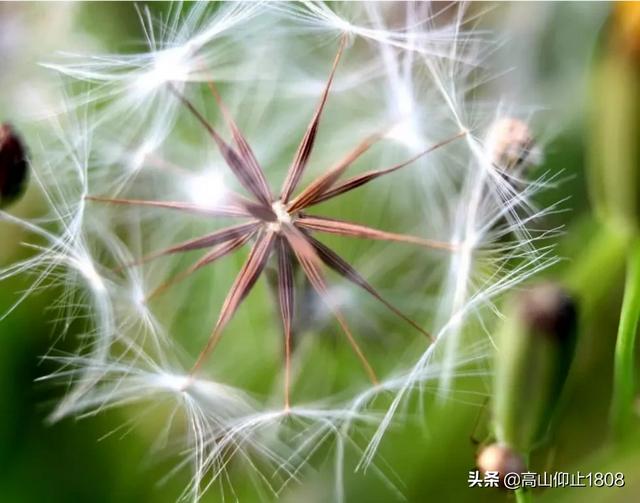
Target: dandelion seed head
281 212
415 85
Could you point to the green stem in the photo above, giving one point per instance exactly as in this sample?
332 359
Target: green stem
604 252
623 376
524 495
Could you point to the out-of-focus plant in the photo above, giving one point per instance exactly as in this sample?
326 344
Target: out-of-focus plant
537 342
615 180
536 346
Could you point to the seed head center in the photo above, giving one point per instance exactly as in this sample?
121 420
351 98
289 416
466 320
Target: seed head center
282 215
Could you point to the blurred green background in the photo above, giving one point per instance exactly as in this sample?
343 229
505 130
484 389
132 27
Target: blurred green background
557 44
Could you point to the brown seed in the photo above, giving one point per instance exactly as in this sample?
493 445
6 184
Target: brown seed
500 458
13 165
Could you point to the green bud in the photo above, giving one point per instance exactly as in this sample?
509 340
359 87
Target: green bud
536 346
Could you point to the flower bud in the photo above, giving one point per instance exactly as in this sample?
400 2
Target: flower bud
13 166
536 346
500 458
510 145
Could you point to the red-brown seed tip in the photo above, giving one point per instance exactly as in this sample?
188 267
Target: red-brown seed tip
549 309
500 458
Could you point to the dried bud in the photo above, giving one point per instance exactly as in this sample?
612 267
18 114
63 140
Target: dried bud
13 165
500 458
536 346
510 145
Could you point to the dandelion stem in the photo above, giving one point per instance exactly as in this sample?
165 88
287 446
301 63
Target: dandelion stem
623 376
523 496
